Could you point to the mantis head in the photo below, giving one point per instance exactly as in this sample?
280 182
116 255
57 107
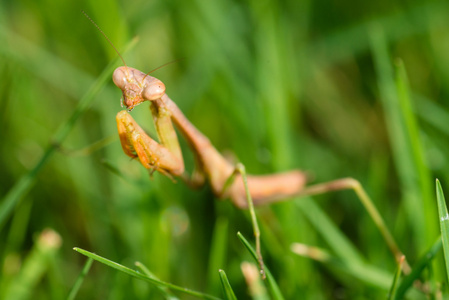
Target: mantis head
137 87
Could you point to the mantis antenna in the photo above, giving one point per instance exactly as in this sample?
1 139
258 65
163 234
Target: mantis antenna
121 57
160 67
109 41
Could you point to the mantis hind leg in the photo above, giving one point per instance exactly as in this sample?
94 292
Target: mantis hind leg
263 189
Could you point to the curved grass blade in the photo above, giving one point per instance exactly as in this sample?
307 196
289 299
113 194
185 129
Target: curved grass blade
394 286
423 262
271 282
15 194
80 279
361 271
140 276
334 237
227 289
444 223
167 294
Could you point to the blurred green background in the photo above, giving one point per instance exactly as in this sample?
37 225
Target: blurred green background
280 84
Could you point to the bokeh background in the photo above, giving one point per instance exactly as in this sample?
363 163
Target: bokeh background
279 84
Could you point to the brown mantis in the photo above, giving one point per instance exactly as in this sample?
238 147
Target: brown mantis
166 157
224 178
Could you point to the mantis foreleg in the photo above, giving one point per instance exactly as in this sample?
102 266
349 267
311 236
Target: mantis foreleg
136 143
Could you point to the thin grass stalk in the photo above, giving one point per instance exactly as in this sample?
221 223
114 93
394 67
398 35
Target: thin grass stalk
241 169
270 281
80 279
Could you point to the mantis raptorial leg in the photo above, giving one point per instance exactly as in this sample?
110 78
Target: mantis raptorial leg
225 180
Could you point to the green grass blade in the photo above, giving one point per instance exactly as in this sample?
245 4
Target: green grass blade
394 286
218 252
444 223
422 263
333 235
405 142
167 294
271 282
241 169
140 276
361 271
227 289
80 279
15 194
416 148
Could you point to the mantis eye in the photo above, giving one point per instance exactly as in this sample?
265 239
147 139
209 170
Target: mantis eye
119 77
154 89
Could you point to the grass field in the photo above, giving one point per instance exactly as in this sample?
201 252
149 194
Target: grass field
339 89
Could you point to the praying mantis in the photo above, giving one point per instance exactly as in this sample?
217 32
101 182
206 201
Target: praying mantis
223 176
166 157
